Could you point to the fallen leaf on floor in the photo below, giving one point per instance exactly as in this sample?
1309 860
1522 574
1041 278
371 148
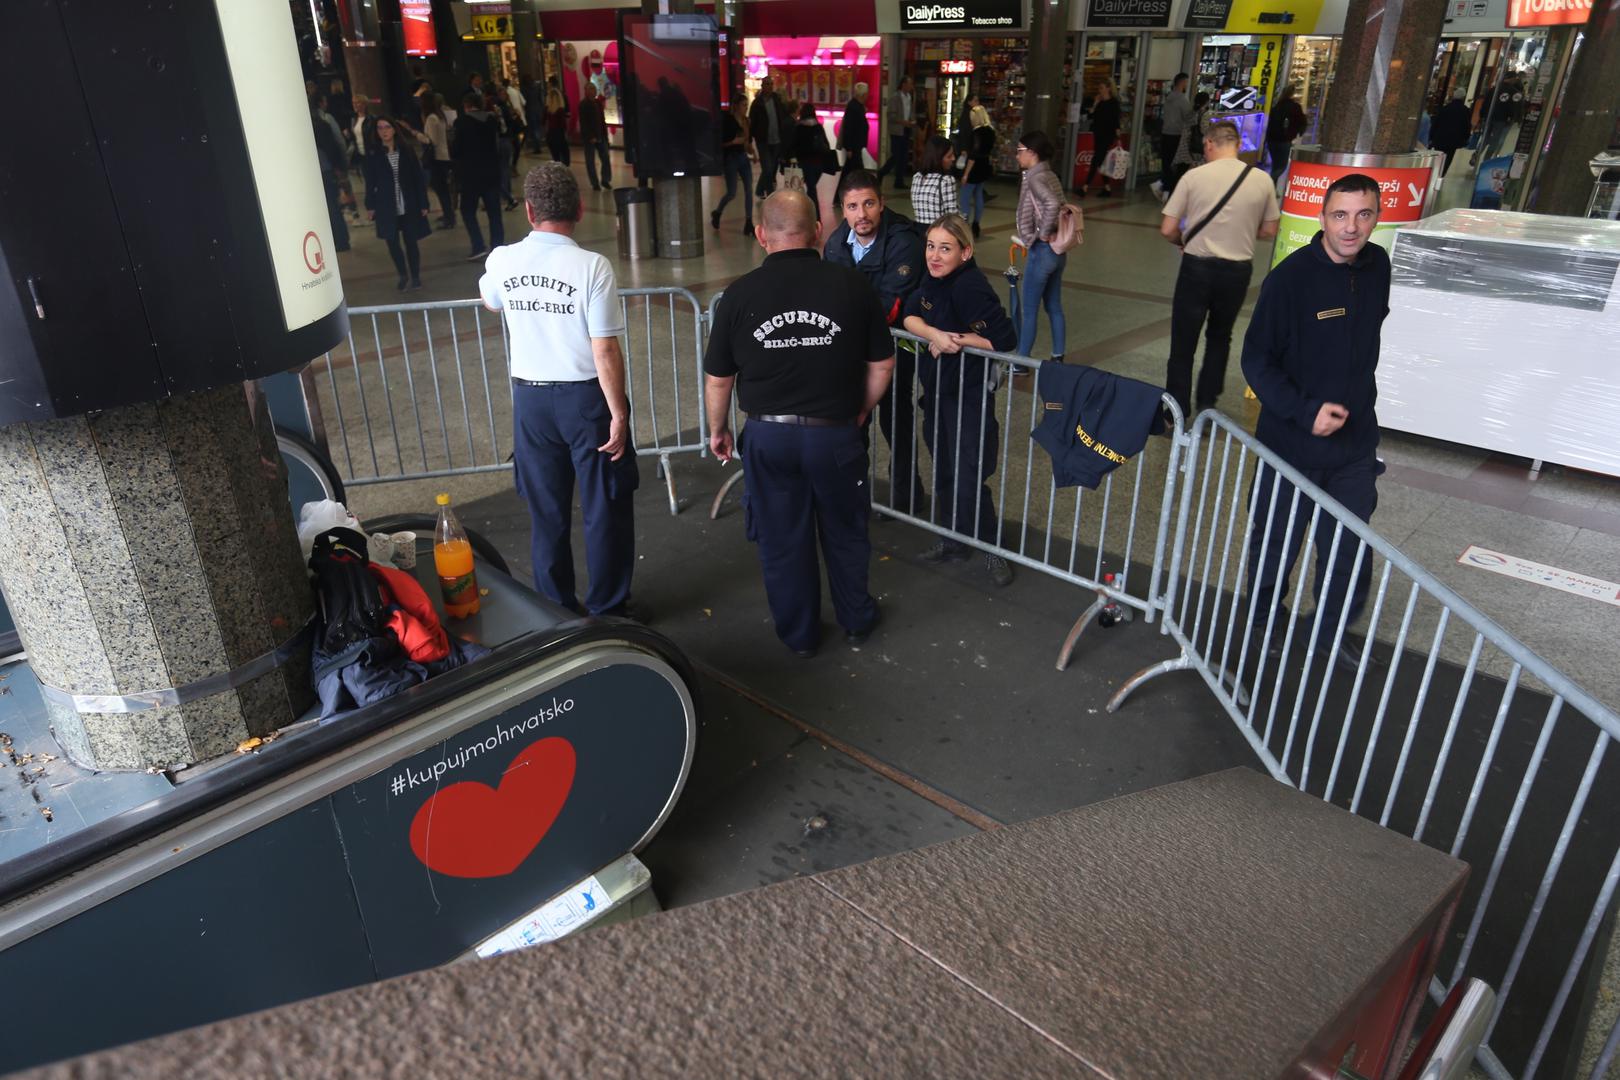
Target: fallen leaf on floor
708 613
483 592
47 812
248 744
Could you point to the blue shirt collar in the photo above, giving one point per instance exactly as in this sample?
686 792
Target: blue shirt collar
858 249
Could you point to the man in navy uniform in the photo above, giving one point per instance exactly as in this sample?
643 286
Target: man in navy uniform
806 344
1310 355
888 248
571 417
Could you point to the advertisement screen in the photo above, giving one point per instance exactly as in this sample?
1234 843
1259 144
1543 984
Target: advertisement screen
670 81
263 54
417 18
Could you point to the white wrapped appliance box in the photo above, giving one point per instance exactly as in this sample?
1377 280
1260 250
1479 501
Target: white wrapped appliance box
1504 333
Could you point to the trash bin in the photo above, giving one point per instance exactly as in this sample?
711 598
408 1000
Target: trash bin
635 210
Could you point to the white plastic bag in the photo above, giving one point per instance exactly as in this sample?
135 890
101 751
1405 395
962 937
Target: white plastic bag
316 517
1117 164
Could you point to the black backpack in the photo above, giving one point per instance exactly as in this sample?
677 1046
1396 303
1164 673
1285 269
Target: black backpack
349 604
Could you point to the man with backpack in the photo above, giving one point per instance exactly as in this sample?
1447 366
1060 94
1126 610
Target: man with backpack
1215 215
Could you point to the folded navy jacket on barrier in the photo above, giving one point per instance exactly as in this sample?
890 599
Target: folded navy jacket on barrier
1093 421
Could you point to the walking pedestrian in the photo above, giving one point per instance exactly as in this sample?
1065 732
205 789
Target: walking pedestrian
557 126
1215 215
1176 114
1285 124
813 153
1040 198
570 414
1105 133
1311 356
593 139
332 158
475 153
1451 127
436 121
902 131
979 167
396 199
934 191
806 346
506 152
1190 154
853 132
768 129
955 309
734 161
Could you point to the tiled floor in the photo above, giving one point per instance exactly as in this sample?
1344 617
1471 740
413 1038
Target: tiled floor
1435 500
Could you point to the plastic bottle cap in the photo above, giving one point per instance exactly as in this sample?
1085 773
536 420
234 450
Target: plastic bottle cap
442 499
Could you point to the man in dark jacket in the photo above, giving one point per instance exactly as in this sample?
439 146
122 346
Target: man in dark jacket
853 132
475 155
770 128
888 248
1451 127
1310 356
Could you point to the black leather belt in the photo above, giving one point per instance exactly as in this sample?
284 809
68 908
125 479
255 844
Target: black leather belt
562 382
803 421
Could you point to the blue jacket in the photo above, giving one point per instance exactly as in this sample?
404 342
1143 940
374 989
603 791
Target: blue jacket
1314 338
961 302
895 264
1093 421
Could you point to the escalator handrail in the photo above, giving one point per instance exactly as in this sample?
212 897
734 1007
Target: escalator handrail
35 870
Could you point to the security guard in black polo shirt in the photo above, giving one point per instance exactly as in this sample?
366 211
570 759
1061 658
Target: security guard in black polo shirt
808 372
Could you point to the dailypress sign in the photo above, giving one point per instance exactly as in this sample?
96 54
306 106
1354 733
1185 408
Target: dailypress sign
1403 196
962 15
1548 12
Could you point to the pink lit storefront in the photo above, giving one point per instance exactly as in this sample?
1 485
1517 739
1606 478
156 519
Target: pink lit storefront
817 53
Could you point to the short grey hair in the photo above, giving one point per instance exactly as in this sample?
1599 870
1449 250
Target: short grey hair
861 88
552 192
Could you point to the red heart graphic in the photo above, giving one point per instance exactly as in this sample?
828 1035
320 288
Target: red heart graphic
471 830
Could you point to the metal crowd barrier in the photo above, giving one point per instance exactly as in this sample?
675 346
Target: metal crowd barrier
1088 539
424 390
1470 758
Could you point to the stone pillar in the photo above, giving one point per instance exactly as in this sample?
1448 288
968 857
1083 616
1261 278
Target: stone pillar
148 547
1383 74
1585 124
1043 68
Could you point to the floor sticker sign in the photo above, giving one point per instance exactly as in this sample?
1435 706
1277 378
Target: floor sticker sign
1540 574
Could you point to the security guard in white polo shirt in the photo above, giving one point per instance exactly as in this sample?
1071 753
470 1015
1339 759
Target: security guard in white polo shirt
570 414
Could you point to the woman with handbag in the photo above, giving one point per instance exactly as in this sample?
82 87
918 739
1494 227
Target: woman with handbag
396 199
1190 154
734 162
952 309
1040 202
1105 133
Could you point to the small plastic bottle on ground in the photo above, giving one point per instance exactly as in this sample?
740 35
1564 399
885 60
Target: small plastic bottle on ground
453 560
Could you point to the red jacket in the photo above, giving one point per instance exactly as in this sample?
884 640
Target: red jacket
412 618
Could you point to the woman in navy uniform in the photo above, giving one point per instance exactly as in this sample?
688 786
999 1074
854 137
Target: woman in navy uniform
807 346
955 308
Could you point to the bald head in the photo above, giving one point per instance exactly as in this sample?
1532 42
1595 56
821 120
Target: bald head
788 220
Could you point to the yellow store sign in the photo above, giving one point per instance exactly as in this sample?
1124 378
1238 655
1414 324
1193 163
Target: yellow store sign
491 27
1273 16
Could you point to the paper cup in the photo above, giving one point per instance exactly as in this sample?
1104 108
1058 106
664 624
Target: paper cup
404 550
380 548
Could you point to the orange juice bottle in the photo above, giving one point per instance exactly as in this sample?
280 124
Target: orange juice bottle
453 559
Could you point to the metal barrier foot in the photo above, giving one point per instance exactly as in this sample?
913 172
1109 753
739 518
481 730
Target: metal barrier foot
720 496
1079 628
1183 662
669 482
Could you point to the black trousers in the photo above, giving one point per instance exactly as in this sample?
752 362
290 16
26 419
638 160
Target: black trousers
1168 145
1354 485
441 188
1209 290
408 261
964 438
807 485
490 197
897 417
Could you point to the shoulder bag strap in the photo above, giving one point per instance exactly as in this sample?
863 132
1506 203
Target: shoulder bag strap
1186 237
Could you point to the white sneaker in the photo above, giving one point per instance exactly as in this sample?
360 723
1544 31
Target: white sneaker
1158 191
